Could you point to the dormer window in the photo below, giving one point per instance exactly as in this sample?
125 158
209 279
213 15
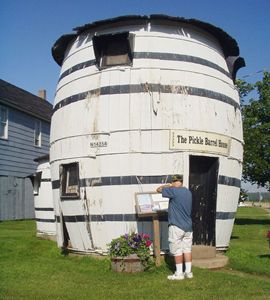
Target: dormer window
113 50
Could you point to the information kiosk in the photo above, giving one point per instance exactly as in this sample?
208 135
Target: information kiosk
152 204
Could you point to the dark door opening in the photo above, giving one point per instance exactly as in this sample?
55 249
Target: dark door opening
203 177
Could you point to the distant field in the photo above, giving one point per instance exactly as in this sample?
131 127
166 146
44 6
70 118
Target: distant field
263 196
31 268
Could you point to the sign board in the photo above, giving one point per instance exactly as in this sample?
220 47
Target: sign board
200 141
150 202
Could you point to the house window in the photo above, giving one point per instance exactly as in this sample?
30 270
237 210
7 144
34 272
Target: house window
69 180
37 181
37 133
3 122
113 49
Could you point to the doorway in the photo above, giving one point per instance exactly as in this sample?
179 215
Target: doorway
203 178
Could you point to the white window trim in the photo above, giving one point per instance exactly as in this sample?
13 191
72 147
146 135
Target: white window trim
39 138
5 137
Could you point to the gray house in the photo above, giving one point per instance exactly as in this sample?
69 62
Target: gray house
24 135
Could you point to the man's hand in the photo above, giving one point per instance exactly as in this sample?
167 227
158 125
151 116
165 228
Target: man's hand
159 189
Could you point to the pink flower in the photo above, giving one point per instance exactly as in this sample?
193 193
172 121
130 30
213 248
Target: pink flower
148 243
145 236
268 234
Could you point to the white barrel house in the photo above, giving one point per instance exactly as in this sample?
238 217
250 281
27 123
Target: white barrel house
140 98
43 199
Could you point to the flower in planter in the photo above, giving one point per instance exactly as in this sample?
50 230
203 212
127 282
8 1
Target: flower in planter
268 236
132 244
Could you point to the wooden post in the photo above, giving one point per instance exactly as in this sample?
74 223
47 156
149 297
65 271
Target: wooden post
156 239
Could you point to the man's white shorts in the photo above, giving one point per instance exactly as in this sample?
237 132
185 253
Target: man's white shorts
179 241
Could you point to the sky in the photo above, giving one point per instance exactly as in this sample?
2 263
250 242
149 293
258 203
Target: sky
29 29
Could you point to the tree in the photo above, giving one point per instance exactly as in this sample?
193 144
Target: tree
256 128
244 89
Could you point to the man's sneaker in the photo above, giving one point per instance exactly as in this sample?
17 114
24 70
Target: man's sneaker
176 276
189 275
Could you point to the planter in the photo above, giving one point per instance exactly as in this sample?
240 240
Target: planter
129 264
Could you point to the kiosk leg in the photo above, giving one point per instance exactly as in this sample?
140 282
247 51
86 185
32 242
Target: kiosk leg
156 240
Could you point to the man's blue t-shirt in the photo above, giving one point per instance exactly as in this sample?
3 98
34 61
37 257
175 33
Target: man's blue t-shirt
180 206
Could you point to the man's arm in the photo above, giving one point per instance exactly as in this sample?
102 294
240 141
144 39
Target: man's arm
159 189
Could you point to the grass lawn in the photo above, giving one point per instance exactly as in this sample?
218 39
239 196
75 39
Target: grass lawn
249 250
32 268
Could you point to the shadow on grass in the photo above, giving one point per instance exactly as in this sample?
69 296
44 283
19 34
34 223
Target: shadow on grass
264 256
252 222
64 251
234 237
169 260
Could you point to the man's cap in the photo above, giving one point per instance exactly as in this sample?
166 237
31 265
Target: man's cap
177 177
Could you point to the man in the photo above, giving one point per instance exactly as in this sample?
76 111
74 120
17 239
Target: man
180 225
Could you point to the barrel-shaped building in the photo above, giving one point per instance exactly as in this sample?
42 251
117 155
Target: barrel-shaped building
140 98
43 199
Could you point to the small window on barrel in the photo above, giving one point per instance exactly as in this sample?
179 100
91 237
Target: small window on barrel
113 49
69 180
37 182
